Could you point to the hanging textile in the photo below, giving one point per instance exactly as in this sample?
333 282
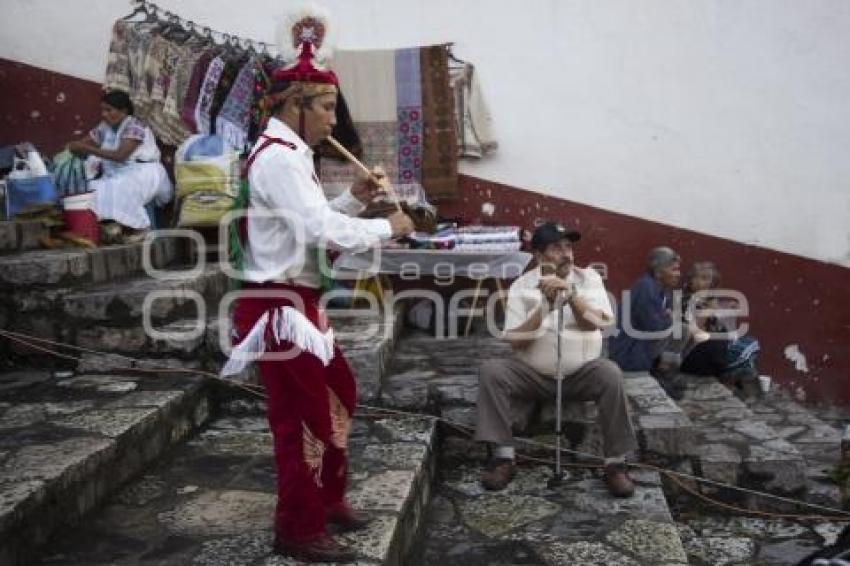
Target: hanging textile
403 110
439 165
182 83
474 123
117 62
233 121
410 112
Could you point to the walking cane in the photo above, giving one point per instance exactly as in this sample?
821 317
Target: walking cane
558 474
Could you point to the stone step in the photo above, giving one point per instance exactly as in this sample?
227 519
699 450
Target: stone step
440 376
77 267
66 445
576 522
665 433
819 442
109 316
20 235
212 501
368 342
720 538
736 445
166 297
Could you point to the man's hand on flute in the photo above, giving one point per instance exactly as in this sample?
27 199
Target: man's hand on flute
401 224
367 187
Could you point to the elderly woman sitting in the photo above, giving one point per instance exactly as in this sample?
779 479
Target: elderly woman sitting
132 174
645 338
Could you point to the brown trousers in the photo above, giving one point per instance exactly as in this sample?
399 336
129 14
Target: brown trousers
507 382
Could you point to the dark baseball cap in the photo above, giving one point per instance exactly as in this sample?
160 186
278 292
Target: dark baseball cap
551 232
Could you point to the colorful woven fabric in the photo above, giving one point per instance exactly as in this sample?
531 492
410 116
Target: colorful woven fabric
234 119
139 41
193 90
207 94
178 92
403 110
409 104
439 162
232 64
117 64
259 112
169 130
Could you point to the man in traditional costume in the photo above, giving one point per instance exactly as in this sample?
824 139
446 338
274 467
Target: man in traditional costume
277 320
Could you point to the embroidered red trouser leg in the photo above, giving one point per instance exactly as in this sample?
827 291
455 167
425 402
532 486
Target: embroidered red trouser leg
298 394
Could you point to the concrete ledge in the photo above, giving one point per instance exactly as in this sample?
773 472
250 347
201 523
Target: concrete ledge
67 445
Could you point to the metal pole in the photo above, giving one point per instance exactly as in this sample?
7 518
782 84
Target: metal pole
557 476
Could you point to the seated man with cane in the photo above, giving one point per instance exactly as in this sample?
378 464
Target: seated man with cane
530 374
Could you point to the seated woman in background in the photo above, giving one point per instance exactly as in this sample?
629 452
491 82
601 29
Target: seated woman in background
725 355
650 335
132 174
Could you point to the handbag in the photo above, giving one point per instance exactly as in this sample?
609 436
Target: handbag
200 210
69 174
204 164
26 192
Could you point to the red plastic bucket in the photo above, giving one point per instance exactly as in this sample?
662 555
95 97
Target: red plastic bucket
79 217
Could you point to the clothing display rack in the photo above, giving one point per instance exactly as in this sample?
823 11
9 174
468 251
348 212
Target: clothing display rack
151 10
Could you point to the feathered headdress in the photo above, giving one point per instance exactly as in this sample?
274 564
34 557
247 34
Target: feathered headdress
304 42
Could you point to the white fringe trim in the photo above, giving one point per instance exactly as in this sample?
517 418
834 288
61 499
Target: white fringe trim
288 325
250 349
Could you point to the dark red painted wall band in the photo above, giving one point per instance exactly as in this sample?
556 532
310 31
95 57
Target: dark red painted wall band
45 108
793 300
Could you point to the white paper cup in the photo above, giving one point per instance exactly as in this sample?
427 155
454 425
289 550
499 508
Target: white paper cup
764 383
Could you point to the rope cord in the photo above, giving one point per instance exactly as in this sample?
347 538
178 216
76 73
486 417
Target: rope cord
837 515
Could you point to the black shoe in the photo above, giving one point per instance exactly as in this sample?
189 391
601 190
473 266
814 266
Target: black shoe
674 384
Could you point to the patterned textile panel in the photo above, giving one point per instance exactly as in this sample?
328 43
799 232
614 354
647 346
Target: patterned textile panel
403 109
439 168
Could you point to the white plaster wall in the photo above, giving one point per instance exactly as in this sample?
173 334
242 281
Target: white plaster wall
726 117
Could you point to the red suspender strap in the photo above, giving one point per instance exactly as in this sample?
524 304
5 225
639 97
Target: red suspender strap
243 224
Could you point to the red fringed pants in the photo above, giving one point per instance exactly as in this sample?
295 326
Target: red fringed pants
309 411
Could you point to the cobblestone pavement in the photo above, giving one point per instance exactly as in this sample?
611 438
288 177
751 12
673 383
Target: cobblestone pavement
211 501
818 440
718 540
577 522
66 443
